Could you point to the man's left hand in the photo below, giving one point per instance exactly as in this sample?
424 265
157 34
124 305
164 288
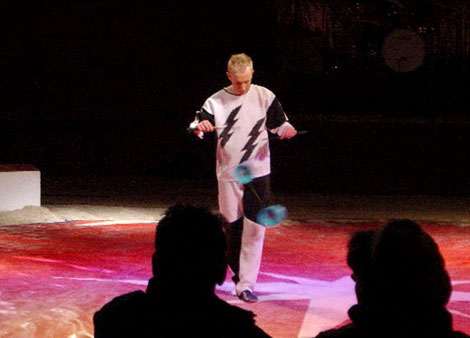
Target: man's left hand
288 132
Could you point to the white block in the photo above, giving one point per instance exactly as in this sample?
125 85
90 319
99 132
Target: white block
20 186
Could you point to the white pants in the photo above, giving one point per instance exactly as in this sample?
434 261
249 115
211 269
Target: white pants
250 255
231 207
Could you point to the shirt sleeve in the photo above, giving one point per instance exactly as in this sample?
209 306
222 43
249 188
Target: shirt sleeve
204 114
275 116
201 115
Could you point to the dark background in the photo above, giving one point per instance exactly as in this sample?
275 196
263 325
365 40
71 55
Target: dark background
109 87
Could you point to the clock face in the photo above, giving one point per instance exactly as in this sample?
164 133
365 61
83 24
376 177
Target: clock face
403 50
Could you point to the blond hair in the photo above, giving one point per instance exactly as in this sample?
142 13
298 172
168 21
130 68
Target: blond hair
239 62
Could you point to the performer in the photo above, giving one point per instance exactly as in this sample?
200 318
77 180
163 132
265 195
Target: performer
241 114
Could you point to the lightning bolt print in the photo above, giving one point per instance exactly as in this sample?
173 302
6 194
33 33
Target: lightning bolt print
250 144
229 123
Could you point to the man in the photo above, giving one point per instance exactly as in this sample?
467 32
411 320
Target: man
241 115
402 285
180 300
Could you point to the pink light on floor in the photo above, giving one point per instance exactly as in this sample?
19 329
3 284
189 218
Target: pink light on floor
53 277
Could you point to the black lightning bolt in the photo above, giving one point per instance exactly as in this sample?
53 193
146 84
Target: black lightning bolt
250 145
231 120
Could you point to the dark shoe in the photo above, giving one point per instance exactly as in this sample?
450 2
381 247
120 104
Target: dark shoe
248 296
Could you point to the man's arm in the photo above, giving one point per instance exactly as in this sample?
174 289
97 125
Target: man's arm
204 126
287 130
203 123
277 122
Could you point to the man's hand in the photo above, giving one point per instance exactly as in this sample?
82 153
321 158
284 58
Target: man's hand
288 132
204 126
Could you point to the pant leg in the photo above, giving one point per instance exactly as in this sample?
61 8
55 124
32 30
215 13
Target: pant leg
250 254
233 235
231 200
231 207
256 197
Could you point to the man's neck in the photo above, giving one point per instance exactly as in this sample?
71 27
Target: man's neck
230 90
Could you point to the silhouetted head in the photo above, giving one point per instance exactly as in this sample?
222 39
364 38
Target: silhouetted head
408 267
190 248
399 267
359 260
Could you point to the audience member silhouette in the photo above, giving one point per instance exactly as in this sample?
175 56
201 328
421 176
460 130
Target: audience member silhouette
180 300
402 286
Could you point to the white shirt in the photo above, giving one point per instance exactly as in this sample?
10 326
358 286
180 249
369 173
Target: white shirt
242 123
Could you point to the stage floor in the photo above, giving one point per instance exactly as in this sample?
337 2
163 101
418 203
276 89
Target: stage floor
62 262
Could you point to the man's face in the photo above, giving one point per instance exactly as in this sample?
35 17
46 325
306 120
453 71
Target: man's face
241 81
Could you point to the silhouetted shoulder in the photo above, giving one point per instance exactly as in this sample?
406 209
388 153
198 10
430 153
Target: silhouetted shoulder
216 318
138 315
347 331
241 322
351 331
120 315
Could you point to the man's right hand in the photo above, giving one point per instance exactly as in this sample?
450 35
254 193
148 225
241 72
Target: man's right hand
204 126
